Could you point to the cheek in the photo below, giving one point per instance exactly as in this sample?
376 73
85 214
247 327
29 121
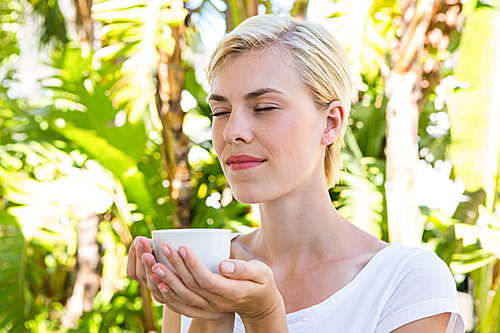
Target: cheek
217 138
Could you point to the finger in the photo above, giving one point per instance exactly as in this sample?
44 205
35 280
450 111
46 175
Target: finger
177 262
171 296
183 308
142 246
155 292
131 261
150 282
205 278
173 303
171 281
252 270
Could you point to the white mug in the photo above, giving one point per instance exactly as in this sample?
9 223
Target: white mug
210 245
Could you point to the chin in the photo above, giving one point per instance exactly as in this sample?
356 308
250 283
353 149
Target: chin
252 194
248 198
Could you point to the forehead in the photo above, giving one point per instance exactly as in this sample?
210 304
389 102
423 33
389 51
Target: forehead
271 67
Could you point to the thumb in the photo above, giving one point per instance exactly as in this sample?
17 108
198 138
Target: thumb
252 270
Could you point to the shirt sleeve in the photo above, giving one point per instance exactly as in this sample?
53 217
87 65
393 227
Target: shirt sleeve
424 287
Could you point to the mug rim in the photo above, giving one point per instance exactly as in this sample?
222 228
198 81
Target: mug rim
189 230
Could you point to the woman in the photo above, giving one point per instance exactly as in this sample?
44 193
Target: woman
280 98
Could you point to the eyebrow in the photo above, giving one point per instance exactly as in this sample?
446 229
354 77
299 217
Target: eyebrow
249 96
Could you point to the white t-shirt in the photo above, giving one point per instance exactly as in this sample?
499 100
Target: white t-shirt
397 286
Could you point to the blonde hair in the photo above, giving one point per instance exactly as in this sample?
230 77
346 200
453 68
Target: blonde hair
319 60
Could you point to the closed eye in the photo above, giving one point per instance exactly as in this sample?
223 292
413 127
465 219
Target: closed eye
266 109
218 114
220 111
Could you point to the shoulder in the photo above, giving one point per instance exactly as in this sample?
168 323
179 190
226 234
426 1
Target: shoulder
416 273
419 285
398 269
419 267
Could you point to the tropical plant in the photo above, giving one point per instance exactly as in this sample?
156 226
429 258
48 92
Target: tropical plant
360 196
77 122
399 38
475 148
113 117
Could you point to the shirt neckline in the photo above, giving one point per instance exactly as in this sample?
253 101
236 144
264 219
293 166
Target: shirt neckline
297 316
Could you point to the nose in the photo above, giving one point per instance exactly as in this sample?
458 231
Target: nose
238 128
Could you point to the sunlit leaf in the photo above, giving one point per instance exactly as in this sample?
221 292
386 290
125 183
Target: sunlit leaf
11 270
474 112
118 162
135 90
361 201
489 237
471 265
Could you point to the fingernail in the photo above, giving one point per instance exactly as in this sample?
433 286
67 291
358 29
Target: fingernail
145 262
164 249
140 245
159 272
183 253
228 267
164 290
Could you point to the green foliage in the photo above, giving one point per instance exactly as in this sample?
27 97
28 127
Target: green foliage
53 25
134 31
10 14
12 265
122 314
474 110
361 194
369 122
93 113
475 148
101 130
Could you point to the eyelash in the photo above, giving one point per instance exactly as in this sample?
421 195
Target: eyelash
219 114
266 109
258 110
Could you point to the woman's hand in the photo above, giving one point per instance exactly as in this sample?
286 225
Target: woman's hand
247 288
139 267
140 261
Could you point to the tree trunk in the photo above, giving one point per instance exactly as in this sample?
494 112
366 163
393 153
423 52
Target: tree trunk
403 214
425 25
299 10
149 320
403 93
238 11
84 24
444 23
87 275
171 84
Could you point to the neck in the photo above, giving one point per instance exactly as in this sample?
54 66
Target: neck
303 224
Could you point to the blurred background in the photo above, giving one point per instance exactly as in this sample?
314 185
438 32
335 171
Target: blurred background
105 135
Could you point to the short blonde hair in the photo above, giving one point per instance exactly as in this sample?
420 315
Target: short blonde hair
319 60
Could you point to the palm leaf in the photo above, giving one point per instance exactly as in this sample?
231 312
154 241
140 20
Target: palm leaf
9 11
475 112
115 160
134 31
11 270
364 37
361 202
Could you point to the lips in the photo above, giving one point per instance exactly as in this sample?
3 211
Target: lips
241 162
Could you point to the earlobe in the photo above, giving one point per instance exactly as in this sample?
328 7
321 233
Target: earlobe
334 122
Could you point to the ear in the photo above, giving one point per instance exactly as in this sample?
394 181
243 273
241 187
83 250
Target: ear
334 122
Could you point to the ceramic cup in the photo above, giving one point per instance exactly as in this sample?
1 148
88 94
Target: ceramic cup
210 245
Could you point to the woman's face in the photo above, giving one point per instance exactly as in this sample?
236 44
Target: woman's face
267 131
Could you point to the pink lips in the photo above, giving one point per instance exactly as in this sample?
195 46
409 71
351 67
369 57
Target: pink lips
242 162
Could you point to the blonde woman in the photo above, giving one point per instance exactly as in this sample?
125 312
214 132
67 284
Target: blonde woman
280 98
